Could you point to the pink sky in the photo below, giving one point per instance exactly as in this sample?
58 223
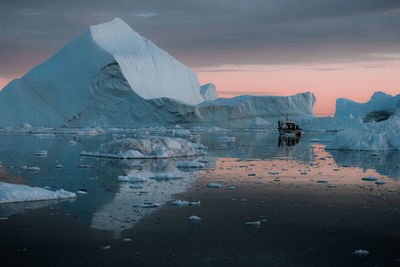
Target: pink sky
356 81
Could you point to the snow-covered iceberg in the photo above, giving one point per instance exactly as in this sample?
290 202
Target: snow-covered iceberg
58 89
383 135
113 77
378 102
20 193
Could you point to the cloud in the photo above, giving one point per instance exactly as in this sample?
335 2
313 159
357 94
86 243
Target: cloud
210 32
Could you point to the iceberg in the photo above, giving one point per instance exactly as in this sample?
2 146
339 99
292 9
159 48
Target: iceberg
59 88
379 101
208 92
20 193
112 77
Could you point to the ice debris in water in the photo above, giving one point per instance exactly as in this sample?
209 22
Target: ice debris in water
380 182
369 178
58 166
322 181
190 164
231 188
135 186
33 169
42 153
214 185
153 147
256 223
147 205
194 218
361 252
166 176
185 203
226 139
127 240
107 247
133 178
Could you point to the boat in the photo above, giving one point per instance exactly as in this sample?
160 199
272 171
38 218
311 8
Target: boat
289 127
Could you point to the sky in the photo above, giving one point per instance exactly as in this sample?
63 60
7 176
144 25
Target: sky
334 49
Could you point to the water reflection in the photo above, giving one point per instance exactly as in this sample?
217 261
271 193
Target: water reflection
288 140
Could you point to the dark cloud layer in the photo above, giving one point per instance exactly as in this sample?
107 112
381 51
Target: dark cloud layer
209 32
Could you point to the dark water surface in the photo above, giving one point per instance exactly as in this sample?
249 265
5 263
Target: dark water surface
313 206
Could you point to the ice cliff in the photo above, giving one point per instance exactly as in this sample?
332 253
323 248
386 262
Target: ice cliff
57 89
379 101
113 77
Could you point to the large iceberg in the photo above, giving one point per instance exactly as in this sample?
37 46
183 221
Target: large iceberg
57 89
113 77
379 101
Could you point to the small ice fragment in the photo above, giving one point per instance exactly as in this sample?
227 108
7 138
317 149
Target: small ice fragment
82 191
107 247
231 188
369 178
257 223
226 139
331 186
361 252
166 176
127 240
273 173
322 181
214 185
33 169
42 153
380 182
190 164
185 203
147 205
84 166
194 218
59 166
131 178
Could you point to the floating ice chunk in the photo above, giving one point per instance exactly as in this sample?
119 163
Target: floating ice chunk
58 166
127 240
147 205
190 164
166 176
20 193
369 178
331 186
194 218
41 153
231 188
273 173
107 247
361 252
133 178
185 203
226 139
33 169
214 185
84 166
152 147
322 181
256 223
380 182
82 192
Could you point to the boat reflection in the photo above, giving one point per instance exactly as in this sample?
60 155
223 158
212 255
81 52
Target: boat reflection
285 140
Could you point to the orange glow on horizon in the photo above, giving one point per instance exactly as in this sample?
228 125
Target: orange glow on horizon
355 81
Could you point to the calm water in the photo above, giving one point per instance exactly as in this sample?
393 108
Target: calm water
313 206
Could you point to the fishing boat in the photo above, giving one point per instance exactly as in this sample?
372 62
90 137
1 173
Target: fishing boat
289 127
